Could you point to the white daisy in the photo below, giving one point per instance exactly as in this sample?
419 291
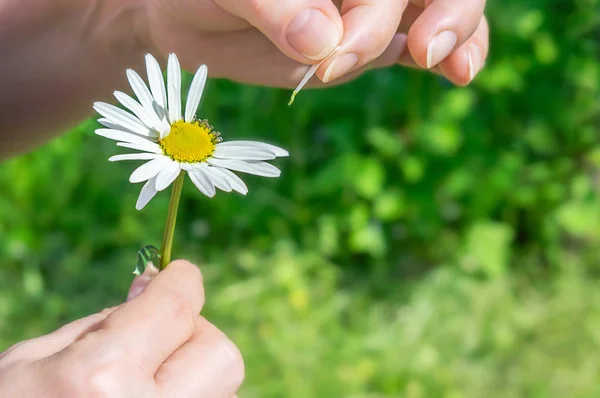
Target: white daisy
172 142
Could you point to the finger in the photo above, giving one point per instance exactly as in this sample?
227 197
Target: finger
443 27
462 66
369 27
305 30
56 341
141 281
157 322
208 365
387 59
270 66
406 60
410 15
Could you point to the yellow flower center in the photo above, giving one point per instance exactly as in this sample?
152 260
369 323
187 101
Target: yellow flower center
189 142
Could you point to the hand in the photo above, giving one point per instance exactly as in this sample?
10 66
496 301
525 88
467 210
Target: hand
155 345
234 36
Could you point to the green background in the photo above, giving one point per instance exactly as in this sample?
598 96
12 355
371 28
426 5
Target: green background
423 240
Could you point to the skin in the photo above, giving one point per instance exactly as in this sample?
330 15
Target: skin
59 56
154 345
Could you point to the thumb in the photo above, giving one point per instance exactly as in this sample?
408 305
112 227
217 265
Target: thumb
44 346
304 30
141 281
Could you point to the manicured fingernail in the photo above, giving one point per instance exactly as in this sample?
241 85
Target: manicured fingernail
313 34
440 47
474 60
141 281
339 66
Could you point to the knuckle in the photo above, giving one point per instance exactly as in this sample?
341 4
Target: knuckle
186 267
12 353
107 311
95 380
257 7
181 308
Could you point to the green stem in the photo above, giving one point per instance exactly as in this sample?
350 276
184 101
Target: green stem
165 251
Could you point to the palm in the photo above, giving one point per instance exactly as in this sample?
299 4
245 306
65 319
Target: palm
230 46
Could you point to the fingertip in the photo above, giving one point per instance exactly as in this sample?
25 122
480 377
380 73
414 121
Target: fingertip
460 67
140 282
313 34
418 43
187 275
185 267
236 363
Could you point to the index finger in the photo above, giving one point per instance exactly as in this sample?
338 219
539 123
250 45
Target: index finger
149 328
369 27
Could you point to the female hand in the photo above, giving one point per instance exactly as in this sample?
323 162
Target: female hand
155 345
234 36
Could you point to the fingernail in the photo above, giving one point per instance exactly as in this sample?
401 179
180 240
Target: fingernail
474 60
440 47
313 34
140 282
339 66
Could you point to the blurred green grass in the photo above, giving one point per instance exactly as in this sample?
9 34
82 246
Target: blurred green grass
423 240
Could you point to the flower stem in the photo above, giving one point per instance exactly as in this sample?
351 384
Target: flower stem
165 251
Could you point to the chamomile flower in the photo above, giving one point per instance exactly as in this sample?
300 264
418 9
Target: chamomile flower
173 142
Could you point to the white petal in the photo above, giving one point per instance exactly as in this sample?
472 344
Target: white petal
122 118
134 156
140 89
147 193
243 153
195 93
279 152
202 182
149 169
113 126
257 168
235 182
188 166
122 136
215 176
149 147
309 73
167 175
174 88
157 85
147 116
137 109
